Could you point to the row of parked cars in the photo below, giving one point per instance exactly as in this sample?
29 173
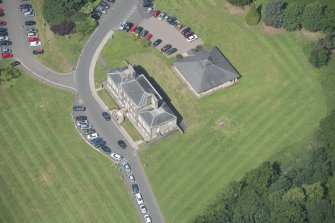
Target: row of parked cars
145 34
101 9
186 32
6 52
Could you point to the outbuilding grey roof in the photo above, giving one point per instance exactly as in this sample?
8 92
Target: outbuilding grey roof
156 117
207 69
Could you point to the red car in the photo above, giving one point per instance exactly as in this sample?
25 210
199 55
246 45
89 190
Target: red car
188 34
2 10
33 39
3 23
133 29
6 55
148 36
156 13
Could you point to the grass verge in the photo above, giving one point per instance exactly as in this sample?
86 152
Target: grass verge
134 134
107 100
47 172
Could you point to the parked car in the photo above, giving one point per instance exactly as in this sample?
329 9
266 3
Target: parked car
107 116
106 149
30 23
89 131
135 188
81 117
38 51
32 34
6 51
92 136
147 219
171 19
24 10
157 42
148 36
139 30
37 43
29 14
3 33
166 48
5 43
98 142
161 16
179 27
3 23
116 156
133 29
101 9
171 51
139 198
188 34
131 178
82 122
143 208
126 26
111 1
79 108
165 18
156 13
148 4
144 33
31 30
33 39
22 6
83 127
126 166
3 30
3 38
122 144
192 38
187 29
95 16
15 63
105 5
6 55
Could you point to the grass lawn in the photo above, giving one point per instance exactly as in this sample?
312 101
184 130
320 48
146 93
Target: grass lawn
134 134
107 99
47 172
60 53
100 74
270 114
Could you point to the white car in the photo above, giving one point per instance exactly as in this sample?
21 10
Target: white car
82 122
150 9
83 127
139 198
29 14
192 38
131 178
161 16
33 30
6 51
32 34
116 156
127 167
36 43
92 136
147 218
3 37
143 208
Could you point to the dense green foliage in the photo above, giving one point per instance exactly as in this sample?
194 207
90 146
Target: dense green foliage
312 17
9 75
240 2
253 16
298 192
293 15
319 55
63 28
274 13
86 26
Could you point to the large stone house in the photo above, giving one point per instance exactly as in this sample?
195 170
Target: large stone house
206 71
144 106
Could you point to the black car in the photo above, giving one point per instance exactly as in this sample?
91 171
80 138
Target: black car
135 188
95 16
25 6
105 5
166 48
127 26
144 33
122 144
106 149
5 43
79 108
171 20
30 23
3 33
187 29
148 4
157 42
139 30
38 51
107 116
112 1
15 63
88 131
81 118
171 51
3 30
99 143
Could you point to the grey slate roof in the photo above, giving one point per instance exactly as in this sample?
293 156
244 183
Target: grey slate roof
207 69
156 117
119 75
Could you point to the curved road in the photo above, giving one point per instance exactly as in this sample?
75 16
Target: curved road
81 81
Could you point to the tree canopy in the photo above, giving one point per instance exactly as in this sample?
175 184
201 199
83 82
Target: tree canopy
274 13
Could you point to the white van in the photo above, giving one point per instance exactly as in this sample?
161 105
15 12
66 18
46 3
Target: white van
36 43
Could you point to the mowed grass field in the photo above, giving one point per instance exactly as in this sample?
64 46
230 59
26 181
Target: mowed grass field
271 114
47 172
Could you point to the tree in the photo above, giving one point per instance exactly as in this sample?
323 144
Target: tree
327 130
319 56
328 42
253 16
86 26
274 13
312 17
240 2
63 28
328 20
293 15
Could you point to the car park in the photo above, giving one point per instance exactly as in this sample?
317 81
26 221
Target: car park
147 218
126 166
81 117
192 38
106 149
135 188
131 178
139 198
79 108
92 136
166 48
15 63
37 43
116 156
107 116
157 42
171 51
3 23
143 208
122 144
30 23
6 55
38 51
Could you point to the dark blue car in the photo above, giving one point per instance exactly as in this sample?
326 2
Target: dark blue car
107 116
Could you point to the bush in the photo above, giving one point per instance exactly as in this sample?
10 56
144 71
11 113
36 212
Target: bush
312 17
240 2
328 20
63 28
293 16
86 26
179 56
319 56
253 16
274 13
328 42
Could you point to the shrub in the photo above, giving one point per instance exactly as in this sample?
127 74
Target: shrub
319 56
312 17
328 42
253 16
63 28
293 16
328 20
86 26
274 13
240 2
179 56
